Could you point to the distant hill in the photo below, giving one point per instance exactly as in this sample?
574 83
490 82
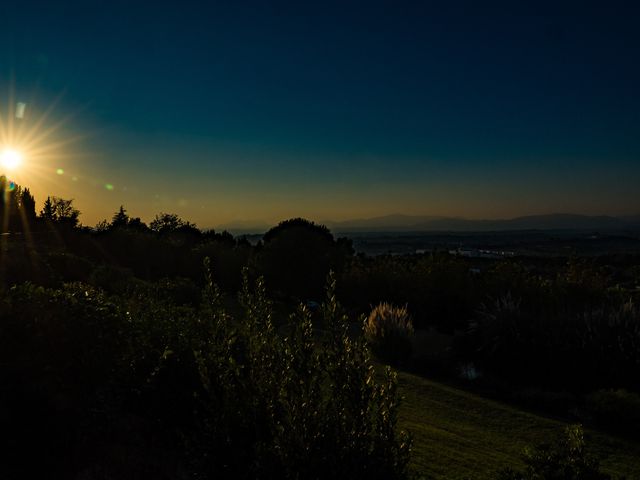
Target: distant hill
430 223
407 223
386 223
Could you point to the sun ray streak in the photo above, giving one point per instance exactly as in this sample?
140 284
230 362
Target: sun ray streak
41 121
32 146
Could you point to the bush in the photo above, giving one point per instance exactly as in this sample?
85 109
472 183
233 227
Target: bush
63 358
557 348
291 406
111 278
188 391
609 339
69 267
566 459
389 330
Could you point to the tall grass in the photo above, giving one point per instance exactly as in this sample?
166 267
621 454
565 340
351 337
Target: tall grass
389 330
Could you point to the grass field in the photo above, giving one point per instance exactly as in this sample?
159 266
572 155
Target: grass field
459 435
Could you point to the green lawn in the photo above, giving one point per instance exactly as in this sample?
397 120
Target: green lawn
460 435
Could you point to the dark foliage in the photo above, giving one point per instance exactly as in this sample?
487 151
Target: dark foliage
437 288
614 410
61 352
529 345
17 207
284 406
566 459
187 390
297 255
60 211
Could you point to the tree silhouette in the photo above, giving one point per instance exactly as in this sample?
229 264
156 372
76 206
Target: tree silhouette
297 256
120 218
28 204
169 222
102 226
17 206
171 228
60 210
47 211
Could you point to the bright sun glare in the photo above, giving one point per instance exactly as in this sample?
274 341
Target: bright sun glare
10 159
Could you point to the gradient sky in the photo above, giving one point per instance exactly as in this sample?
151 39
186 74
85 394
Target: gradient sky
259 111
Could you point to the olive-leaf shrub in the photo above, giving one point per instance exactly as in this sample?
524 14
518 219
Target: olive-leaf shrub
292 405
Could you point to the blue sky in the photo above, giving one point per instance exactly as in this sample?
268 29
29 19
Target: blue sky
225 111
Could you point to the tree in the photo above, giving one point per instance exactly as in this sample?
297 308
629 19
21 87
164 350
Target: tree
168 222
175 230
17 206
28 203
47 211
60 210
120 218
102 226
297 256
135 223
224 238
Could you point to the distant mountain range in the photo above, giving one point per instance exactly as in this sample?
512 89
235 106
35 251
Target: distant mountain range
558 221
419 223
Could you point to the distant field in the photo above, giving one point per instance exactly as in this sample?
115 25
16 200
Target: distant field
540 243
458 435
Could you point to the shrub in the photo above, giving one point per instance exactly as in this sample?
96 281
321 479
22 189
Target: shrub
566 459
291 406
69 267
389 330
111 278
189 391
555 347
63 359
609 339
498 327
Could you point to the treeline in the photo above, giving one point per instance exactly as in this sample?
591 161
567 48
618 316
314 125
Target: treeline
294 257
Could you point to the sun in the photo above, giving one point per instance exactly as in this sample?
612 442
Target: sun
10 158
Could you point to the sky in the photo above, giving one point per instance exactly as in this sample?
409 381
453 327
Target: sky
227 112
